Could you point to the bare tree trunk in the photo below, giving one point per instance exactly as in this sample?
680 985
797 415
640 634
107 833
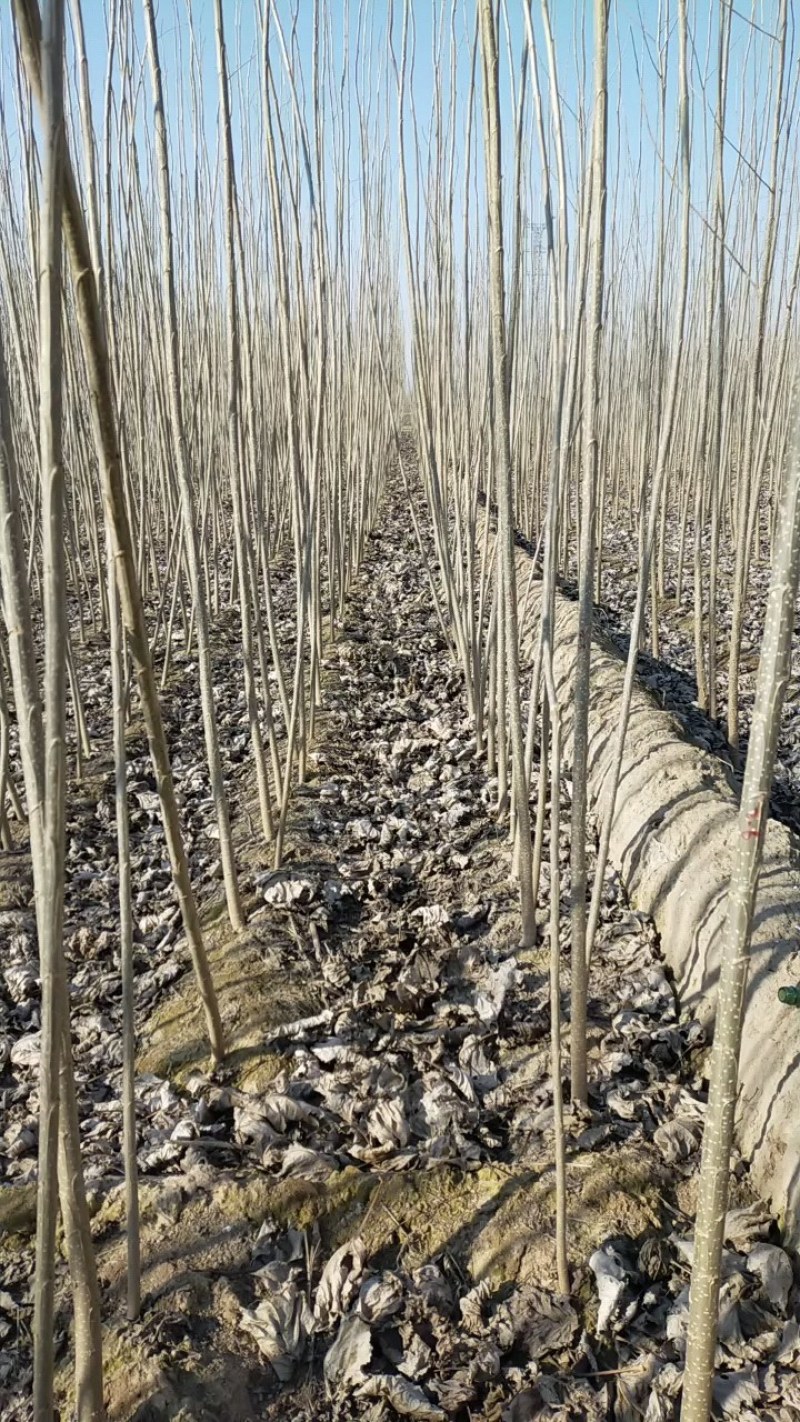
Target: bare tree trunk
93 336
773 673
44 768
749 480
506 565
188 511
58 1109
659 478
49 864
594 318
246 584
118 685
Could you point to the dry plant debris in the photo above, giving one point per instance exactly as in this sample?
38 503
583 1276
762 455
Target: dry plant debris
418 1087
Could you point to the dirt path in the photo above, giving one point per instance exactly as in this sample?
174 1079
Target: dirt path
353 1218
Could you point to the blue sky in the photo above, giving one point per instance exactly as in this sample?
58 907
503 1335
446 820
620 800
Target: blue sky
633 87
632 48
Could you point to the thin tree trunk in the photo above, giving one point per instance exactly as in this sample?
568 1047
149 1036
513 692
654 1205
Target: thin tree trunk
49 864
773 674
93 336
44 768
594 318
506 567
188 511
118 685
58 1108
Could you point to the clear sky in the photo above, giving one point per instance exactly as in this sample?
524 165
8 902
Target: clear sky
635 157
633 84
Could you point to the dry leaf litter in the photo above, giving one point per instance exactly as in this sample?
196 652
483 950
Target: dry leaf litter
418 1088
